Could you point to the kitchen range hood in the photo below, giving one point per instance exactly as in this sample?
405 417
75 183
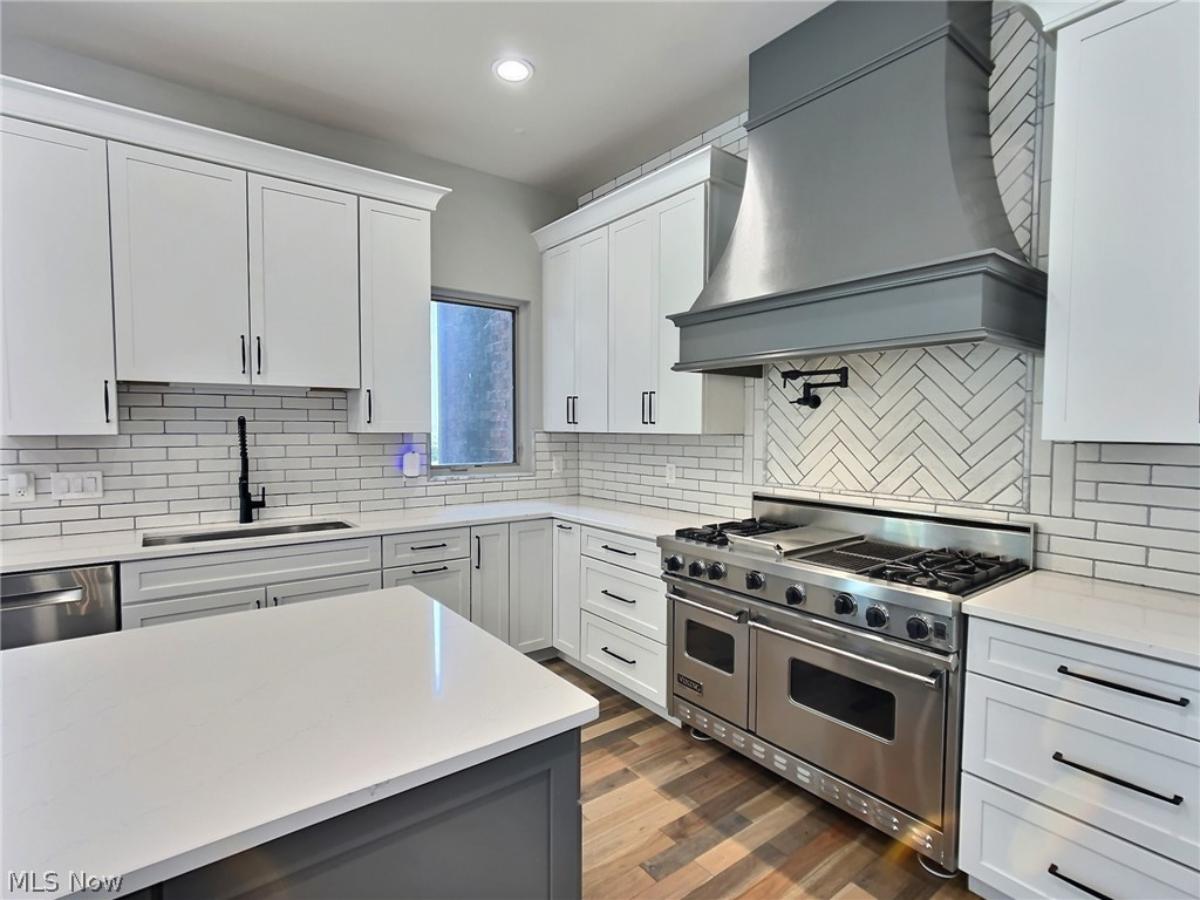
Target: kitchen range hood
871 217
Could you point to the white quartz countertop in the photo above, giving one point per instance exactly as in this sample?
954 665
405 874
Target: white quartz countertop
1148 621
147 753
92 549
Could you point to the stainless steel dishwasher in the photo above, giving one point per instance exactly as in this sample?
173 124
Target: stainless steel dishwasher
38 607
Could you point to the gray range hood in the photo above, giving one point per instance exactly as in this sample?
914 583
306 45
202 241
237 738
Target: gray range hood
871 217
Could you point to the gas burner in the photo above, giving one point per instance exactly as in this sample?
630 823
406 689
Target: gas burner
949 570
717 534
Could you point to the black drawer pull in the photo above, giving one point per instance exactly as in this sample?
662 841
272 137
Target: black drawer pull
243 354
430 571
617 550
1182 701
1092 892
619 597
428 547
565 527
631 662
1174 801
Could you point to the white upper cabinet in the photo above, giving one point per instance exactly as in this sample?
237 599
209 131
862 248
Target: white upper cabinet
303 284
1123 321
663 234
58 365
394 298
575 335
179 268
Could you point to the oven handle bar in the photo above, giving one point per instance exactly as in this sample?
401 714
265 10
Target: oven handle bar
930 681
740 617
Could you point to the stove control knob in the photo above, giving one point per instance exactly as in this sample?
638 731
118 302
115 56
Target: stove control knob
844 605
795 595
716 571
755 581
674 563
876 617
696 569
918 628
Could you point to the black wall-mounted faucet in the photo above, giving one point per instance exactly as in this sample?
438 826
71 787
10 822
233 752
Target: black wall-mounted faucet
246 502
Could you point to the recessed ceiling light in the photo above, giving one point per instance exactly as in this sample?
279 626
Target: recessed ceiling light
513 70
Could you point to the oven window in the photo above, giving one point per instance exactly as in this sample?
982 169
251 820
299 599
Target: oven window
863 706
709 646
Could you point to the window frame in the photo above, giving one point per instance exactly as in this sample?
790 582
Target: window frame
522 432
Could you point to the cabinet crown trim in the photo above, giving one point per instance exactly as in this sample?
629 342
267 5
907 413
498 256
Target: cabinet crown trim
76 112
706 164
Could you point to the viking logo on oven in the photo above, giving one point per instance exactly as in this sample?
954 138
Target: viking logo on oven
694 685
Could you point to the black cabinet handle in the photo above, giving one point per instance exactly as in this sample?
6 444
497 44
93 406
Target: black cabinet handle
574 401
478 552
276 600
653 420
258 345
107 409
617 550
564 527
645 419
632 662
1174 801
431 571
430 546
243 337
258 604
619 597
568 409
370 409
1182 701
1092 892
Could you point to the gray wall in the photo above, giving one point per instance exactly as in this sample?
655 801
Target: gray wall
481 232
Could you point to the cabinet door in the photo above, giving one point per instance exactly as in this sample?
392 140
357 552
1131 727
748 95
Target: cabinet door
303 284
179 268
632 321
1122 355
56 304
531 585
566 588
679 238
590 407
163 612
449 583
316 588
489 579
394 297
558 336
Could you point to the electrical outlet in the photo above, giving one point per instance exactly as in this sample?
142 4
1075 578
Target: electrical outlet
556 466
76 485
22 487
670 473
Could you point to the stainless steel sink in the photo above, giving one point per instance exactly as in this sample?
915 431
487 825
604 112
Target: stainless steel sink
243 531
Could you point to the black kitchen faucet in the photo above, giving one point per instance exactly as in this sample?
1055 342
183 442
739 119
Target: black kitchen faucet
246 502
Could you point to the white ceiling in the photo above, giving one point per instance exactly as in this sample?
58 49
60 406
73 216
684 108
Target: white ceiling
615 82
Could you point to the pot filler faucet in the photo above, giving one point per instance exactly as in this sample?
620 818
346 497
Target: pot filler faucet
246 502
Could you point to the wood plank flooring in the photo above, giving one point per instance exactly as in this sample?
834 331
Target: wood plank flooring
667 816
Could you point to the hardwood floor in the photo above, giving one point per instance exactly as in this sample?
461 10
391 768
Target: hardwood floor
667 816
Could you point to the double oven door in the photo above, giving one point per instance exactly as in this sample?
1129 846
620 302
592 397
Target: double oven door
868 710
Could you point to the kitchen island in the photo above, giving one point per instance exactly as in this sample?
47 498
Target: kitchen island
368 745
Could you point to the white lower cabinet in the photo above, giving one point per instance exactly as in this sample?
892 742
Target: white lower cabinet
530 585
566 588
448 582
316 588
624 597
632 661
162 612
489 579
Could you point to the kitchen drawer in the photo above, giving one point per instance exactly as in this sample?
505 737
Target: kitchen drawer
1027 742
638 554
1145 690
317 588
629 659
426 546
636 601
448 582
206 573
164 612
1012 844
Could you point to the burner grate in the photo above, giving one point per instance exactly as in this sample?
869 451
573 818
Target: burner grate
952 571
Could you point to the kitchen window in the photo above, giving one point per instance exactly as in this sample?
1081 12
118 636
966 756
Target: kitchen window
474 366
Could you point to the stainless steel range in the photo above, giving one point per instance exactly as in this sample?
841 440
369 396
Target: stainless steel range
824 642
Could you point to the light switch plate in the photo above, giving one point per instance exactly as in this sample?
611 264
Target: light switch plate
670 473
556 463
22 487
76 485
